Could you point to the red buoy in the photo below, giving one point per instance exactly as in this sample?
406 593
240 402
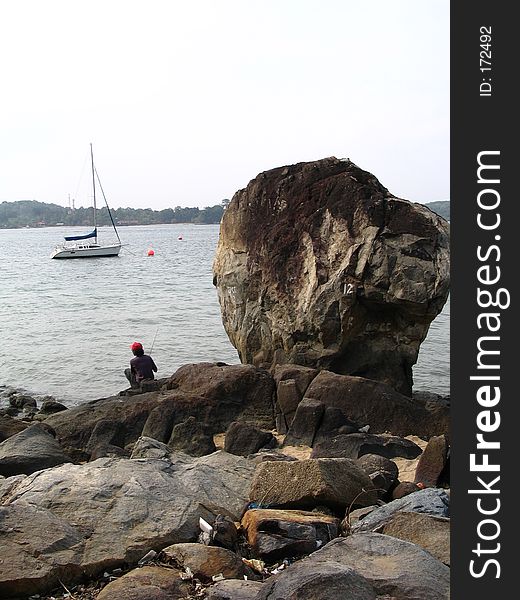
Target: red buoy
150 252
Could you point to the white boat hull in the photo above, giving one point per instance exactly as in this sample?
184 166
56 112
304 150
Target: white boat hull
85 251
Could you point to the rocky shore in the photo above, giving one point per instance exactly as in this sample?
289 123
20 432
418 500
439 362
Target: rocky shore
228 482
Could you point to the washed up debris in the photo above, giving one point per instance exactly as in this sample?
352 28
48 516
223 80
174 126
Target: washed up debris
187 575
256 565
207 532
218 577
148 557
279 568
364 429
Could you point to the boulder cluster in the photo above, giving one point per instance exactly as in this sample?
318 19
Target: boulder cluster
229 482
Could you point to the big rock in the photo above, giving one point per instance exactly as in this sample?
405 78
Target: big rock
320 265
75 520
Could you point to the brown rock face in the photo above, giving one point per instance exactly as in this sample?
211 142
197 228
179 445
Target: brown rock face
319 265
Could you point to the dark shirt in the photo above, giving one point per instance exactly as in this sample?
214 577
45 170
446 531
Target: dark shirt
143 367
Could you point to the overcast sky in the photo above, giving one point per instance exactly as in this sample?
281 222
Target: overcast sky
187 101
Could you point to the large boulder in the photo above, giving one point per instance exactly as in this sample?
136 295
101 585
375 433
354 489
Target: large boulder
341 274
76 520
30 450
306 484
430 532
214 393
245 439
373 403
395 568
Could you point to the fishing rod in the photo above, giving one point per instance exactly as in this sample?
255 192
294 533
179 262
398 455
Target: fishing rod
153 342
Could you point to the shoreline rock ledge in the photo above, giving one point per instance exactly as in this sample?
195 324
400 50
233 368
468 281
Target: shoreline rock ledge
320 265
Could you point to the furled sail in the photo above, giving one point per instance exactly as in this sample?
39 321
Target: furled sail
73 238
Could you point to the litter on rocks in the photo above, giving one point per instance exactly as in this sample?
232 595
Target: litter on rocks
148 557
218 577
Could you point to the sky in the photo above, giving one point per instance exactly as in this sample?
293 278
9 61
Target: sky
186 101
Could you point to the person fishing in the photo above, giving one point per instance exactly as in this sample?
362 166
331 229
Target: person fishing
142 366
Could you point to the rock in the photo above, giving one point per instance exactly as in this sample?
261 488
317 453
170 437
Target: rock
306 580
234 589
291 383
305 423
206 561
38 549
147 583
213 393
304 484
192 438
146 447
30 450
225 533
22 401
405 488
277 534
106 434
342 275
382 472
266 455
355 445
432 463
50 407
429 501
429 532
375 403
111 512
10 427
245 439
394 567
231 393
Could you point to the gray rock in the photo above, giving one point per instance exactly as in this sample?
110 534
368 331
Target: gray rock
366 401
305 484
234 589
382 471
245 439
112 512
192 437
355 445
146 447
305 423
30 450
50 407
394 567
429 501
341 275
10 426
307 580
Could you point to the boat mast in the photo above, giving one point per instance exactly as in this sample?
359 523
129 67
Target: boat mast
94 190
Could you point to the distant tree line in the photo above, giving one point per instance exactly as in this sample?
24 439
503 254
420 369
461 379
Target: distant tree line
31 213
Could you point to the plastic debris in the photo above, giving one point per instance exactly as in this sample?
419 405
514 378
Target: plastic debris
148 557
364 429
218 577
188 574
205 526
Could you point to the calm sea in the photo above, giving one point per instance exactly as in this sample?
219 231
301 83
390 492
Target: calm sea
66 325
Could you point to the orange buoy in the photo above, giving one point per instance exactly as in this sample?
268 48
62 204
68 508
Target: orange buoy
150 252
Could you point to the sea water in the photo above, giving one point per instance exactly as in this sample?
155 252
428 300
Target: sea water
66 325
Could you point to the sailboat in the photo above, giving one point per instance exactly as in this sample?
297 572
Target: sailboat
75 246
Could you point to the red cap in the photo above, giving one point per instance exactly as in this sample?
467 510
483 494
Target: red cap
136 346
